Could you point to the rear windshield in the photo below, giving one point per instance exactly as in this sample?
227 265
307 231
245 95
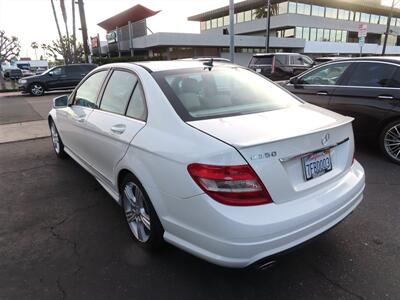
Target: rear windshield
262 60
198 94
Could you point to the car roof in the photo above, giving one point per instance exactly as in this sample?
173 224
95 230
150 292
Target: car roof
394 59
277 53
166 65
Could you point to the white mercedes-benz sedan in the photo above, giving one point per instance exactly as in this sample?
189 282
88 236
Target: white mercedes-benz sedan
212 158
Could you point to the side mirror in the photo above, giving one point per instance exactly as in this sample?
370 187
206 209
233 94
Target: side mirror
294 80
61 101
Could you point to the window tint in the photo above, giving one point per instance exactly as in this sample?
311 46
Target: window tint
395 81
262 60
118 91
371 74
58 71
327 75
202 94
137 105
300 60
86 94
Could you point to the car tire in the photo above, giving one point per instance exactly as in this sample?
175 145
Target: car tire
36 89
58 145
389 141
140 215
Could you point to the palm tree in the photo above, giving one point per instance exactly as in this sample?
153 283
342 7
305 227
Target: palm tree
35 46
64 15
73 31
58 27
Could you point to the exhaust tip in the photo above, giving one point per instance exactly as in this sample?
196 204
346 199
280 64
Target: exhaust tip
266 265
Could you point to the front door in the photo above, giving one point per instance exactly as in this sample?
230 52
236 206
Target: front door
57 78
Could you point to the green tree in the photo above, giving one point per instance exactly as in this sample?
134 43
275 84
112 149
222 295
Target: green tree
55 50
35 46
9 47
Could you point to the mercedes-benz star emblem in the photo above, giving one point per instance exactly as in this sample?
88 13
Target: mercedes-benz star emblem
325 139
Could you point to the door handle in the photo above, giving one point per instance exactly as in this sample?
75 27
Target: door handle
80 120
322 93
118 129
383 97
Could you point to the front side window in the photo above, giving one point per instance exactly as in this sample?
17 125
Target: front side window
86 94
326 75
222 91
118 92
371 74
58 71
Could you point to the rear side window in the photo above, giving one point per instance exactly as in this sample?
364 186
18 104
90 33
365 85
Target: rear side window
371 74
200 93
86 94
326 75
262 60
395 81
118 92
137 105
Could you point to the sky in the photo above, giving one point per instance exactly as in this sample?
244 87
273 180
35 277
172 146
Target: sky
33 21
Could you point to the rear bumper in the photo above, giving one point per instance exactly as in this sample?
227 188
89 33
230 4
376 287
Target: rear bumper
240 236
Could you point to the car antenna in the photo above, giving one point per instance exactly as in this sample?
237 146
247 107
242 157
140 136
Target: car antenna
209 64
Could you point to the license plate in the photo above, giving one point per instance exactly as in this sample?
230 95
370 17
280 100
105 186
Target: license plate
316 164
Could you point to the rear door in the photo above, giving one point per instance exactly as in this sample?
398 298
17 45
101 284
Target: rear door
366 95
111 128
317 85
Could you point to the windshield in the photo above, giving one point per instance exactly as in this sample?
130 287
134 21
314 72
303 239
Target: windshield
199 94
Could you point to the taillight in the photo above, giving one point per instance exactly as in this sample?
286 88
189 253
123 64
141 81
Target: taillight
230 185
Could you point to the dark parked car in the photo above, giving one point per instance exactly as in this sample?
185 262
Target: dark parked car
57 78
367 89
280 66
325 59
13 74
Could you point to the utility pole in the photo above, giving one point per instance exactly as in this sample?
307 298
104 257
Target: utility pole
231 31
268 26
387 28
73 31
84 29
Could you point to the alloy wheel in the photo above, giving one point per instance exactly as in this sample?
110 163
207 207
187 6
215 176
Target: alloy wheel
55 138
392 141
37 89
136 212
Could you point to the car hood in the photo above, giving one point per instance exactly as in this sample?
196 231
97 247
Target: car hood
253 129
34 77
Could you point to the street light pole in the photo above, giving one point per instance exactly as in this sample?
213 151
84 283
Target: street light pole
231 31
387 28
268 26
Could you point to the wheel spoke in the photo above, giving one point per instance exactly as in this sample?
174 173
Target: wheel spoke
130 216
142 236
145 218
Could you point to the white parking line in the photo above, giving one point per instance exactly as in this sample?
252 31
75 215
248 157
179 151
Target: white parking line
23 131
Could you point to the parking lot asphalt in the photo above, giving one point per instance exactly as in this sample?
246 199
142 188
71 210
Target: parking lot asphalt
63 237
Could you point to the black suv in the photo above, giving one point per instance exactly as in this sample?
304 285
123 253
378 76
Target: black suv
57 78
280 66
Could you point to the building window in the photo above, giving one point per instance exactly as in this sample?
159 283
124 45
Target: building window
398 22
344 36
351 16
332 37
320 34
326 35
220 22
357 16
292 7
331 13
313 34
202 26
283 8
318 11
393 22
214 23
303 9
364 17
383 20
226 20
240 17
247 15
343 14
208 24
338 35
299 32
306 33
374 19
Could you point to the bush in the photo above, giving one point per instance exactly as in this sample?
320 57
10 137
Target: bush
108 60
